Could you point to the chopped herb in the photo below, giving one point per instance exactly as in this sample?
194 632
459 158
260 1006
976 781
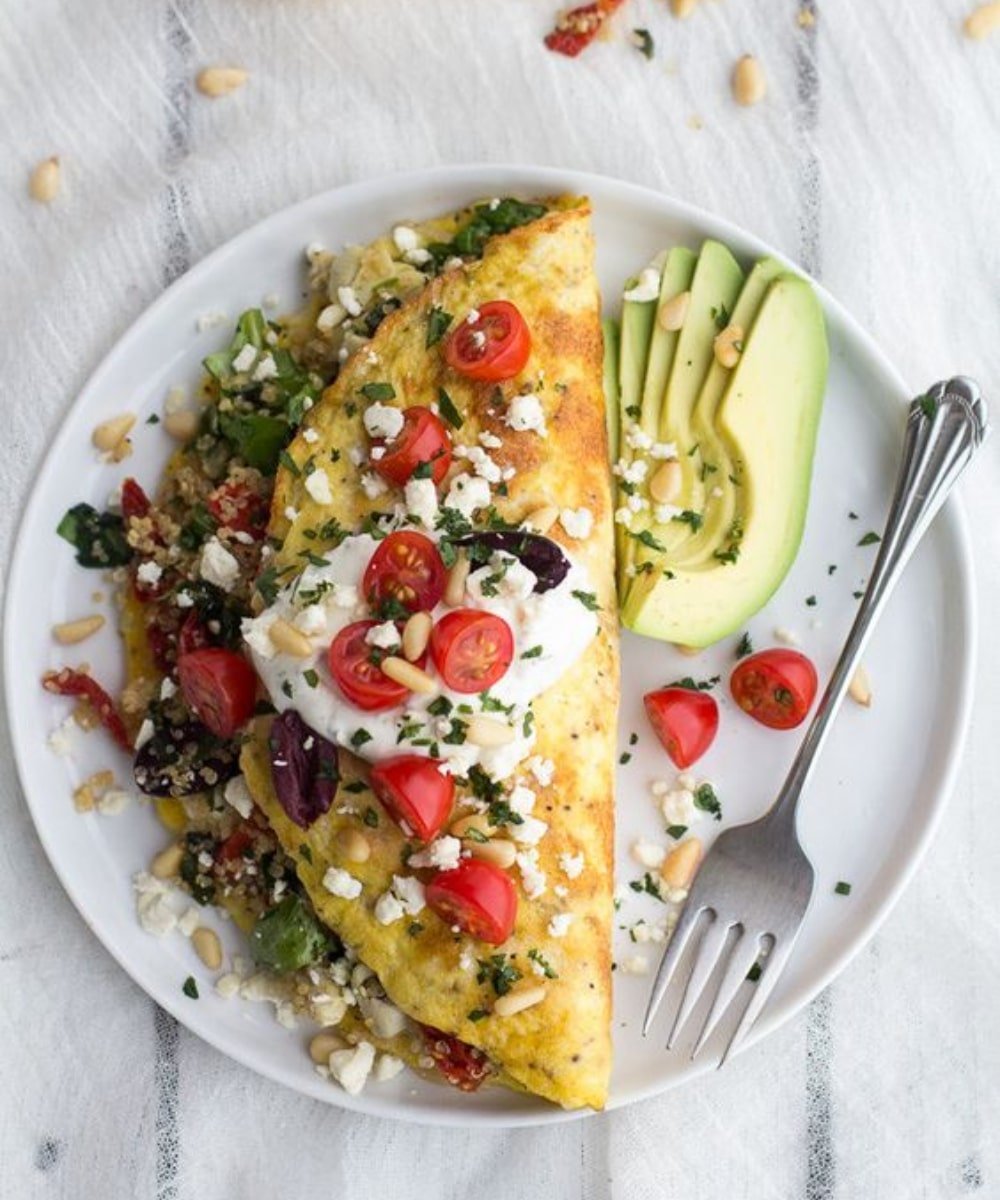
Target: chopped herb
587 599
311 677
315 560
501 813
446 406
695 685
289 463
306 853
359 737
498 972
645 538
676 831
624 758
720 316
286 687
810 601
356 787
472 834
842 888
483 786
687 517
754 973
414 928
370 818
527 723
437 326
478 1014
928 406
707 469
533 652
98 538
190 988
536 956
745 645
857 595
870 538
351 408
633 739
377 392
706 799
853 516
648 885
486 220
633 411
152 419
439 707
831 569
642 39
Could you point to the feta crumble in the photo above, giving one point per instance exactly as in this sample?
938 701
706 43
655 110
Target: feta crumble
348 301
339 882
578 522
351 1068
149 572
648 854
645 288
373 485
385 636
635 964
571 865
525 413
237 796
218 566
444 854
421 501
383 421
318 486
245 359
467 494
559 924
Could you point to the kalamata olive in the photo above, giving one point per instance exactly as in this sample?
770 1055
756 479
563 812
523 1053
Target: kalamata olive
303 767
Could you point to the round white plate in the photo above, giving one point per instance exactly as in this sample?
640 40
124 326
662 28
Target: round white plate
883 780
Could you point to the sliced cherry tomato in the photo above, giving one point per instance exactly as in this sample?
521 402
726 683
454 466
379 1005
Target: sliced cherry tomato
476 896
193 635
423 439
471 649
219 687
686 722
576 29
234 845
68 682
462 1065
135 502
415 793
493 347
775 687
405 568
354 665
238 507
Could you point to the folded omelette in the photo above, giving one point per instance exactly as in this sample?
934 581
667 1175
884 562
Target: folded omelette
535 1009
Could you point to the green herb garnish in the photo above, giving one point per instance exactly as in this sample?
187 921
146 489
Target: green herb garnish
437 326
378 392
190 988
706 799
446 406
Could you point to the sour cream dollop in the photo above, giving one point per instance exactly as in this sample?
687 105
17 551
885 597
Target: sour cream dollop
553 628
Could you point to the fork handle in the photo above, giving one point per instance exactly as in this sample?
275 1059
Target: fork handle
944 429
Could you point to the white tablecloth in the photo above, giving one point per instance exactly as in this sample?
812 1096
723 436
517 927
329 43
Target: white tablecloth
875 160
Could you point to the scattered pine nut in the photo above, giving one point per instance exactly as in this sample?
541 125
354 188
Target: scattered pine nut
687 651
683 8
208 947
515 1002
286 639
982 21
681 863
325 1043
354 846
728 346
408 675
182 425
674 311
71 632
220 81
805 18
542 519
416 635
167 864
45 180
483 731
860 688
749 82
110 434
87 794
454 589
665 486
500 852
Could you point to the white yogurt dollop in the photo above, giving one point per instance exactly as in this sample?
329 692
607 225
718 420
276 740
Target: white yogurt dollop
552 628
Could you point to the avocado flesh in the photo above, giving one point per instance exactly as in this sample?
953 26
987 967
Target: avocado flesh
768 415
612 345
714 287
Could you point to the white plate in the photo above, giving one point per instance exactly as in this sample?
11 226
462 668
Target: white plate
886 772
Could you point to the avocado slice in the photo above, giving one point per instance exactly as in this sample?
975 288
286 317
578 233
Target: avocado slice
768 416
715 286
612 349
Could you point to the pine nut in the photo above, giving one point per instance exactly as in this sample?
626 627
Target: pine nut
92 789
665 486
515 1002
454 589
354 845
687 651
44 181
220 81
71 632
982 21
167 864
860 688
286 639
728 346
499 852
325 1043
208 947
683 8
408 675
182 425
749 82
674 311
109 435
681 863
121 451
542 519
482 731
476 821
416 635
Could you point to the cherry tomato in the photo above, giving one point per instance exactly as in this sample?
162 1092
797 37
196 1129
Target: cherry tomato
219 687
354 665
476 896
415 793
406 568
576 29
776 687
471 649
462 1065
192 635
423 439
493 347
238 507
135 502
686 722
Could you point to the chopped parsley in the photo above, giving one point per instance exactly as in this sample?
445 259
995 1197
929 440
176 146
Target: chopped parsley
648 885
687 517
414 928
437 326
359 737
810 601
355 787
831 569
440 706
478 1014
498 972
311 677
98 538
745 645
190 988
446 406
624 758
587 599
842 888
754 973
370 818
928 406
695 685
533 652
306 853
536 957
870 538
720 315
642 39
152 419
501 813
286 687
289 463
706 799
645 538
633 411
377 392
483 786
676 831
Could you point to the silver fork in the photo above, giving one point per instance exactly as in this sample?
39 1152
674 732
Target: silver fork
753 891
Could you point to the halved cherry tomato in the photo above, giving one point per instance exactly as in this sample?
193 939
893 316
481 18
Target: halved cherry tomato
471 649
135 502
493 347
192 635
462 1065
354 665
686 722
406 568
219 687
423 439
238 507
476 896
775 687
415 793
576 29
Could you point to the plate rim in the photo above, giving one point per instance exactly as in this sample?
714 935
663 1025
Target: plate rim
520 176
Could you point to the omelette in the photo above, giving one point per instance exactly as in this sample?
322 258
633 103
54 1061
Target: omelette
523 511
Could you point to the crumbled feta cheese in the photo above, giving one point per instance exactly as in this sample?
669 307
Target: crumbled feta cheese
490 440
60 741
648 854
146 731
532 877
646 287
228 985
417 258
421 501
525 412
388 908
152 904
678 807
543 769
189 922
339 882
246 358
663 450
636 503
373 485
254 632
167 688
311 436
213 318
482 464
521 799
578 522
503 576
357 455
623 515
291 513
266 369
443 854
663 513
635 964
467 494
410 891
387 1066
384 1019
477 339
149 572
383 421
348 300
530 831
571 865
385 636
633 472
687 780
405 238
467 960
318 486
218 566
351 1068
238 796
786 636
559 924
472 316
717 493
636 438
344 595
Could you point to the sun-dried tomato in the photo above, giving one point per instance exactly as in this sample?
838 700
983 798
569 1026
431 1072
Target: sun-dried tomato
135 502
576 29
68 682
462 1065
